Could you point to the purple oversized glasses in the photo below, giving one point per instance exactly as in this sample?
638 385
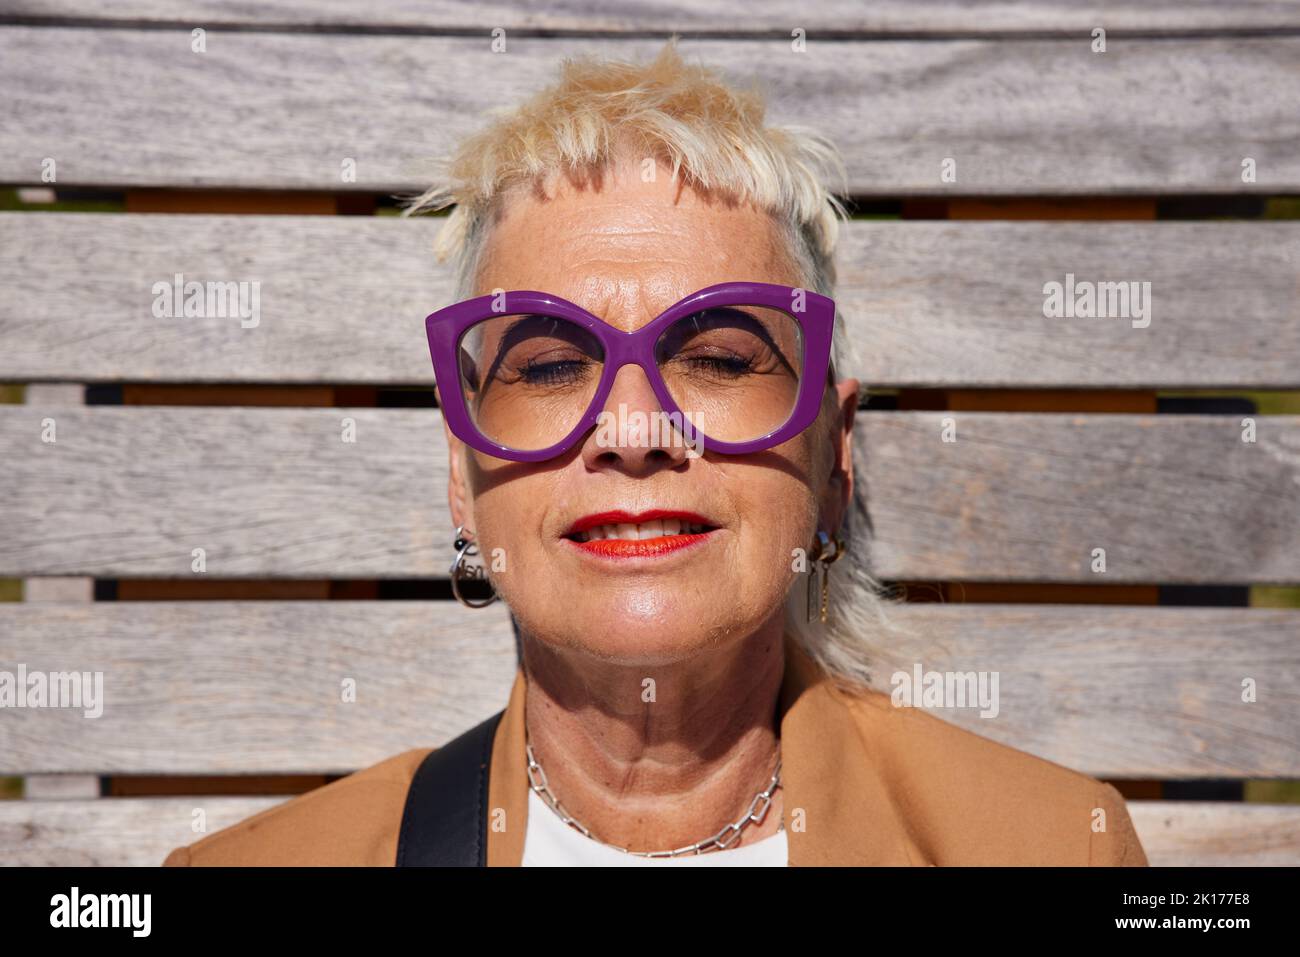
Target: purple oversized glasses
737 367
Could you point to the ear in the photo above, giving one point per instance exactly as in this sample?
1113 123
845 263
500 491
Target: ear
839 490
458 497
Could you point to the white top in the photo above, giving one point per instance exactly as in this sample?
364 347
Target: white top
549 842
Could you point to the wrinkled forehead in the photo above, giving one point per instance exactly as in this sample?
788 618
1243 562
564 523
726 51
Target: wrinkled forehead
627 246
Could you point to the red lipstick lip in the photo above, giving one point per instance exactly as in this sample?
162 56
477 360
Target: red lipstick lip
630 518
646 548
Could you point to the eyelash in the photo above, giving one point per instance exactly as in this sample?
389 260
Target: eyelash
554 373
544 373
723 365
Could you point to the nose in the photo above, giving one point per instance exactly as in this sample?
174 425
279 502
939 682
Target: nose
634 434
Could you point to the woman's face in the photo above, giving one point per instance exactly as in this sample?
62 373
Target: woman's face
625 252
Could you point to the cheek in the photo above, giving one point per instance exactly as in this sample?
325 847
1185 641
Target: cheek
508 515
778 515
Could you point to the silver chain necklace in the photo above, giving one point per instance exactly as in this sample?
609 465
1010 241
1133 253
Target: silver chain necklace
718 842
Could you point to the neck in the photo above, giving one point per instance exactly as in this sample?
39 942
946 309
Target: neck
657 764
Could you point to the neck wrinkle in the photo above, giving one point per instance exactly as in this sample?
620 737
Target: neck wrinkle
508 787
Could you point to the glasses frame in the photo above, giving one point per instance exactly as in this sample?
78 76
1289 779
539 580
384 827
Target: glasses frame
445 327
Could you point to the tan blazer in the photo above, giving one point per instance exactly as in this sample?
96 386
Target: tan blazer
876 784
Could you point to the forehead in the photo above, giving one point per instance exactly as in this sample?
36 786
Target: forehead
629 246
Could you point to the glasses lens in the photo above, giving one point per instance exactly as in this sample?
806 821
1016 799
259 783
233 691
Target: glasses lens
733 370
527 379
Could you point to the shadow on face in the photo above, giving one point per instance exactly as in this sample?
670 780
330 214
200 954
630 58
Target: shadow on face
630 547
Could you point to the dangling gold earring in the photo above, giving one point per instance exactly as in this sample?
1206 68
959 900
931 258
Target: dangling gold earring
825 553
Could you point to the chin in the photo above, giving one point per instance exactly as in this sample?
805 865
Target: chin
633 637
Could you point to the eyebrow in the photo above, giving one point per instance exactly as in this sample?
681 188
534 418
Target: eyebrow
723 310
766 335
526 317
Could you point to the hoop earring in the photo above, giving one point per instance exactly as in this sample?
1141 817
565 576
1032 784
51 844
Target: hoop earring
462 572
825 554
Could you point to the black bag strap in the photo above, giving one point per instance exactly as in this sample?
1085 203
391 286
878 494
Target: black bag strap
445 820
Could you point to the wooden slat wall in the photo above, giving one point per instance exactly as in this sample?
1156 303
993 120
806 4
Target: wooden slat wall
1171 499
1207 834
928 304
131 832
289 88
284 110
1115 692
960 304
140 832
130 492
59 787
182 696
940 17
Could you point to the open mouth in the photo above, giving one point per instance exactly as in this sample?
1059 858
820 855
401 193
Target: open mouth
624 535
642 531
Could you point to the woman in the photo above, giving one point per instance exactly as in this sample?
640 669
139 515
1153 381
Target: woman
669 517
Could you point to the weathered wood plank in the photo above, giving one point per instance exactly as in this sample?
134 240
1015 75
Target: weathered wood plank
135 491
1196 834
944 18
124 107
341 299
246 687
140 832
1126 692
927 304
1170 499
113 832
962 304
130 492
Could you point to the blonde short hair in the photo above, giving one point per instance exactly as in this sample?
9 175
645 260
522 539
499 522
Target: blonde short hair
713 137
682 114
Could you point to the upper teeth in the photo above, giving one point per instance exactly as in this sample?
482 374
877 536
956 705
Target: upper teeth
629 532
